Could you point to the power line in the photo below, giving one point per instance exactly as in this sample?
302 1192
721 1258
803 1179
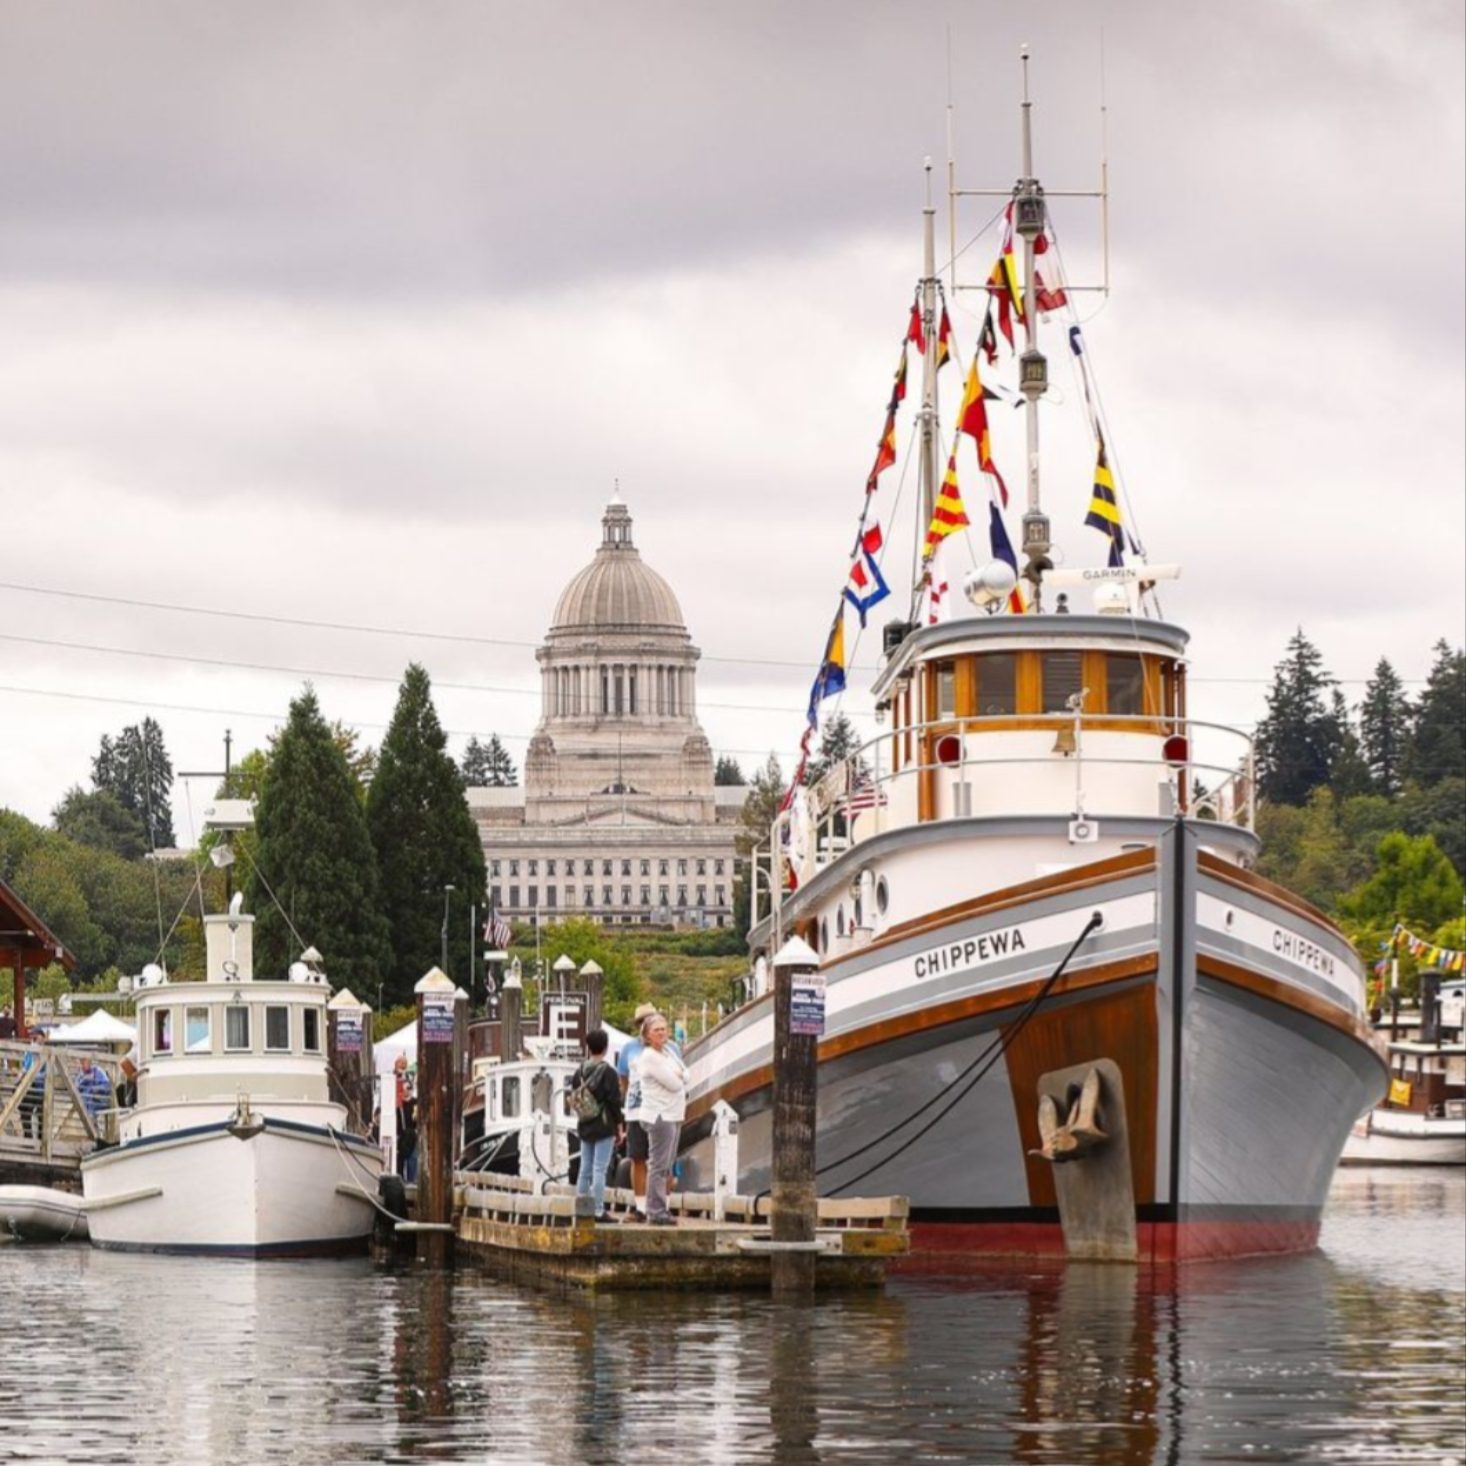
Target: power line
125 651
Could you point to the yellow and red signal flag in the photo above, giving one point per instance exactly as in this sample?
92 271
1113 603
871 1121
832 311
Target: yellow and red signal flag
898 388
885 452
1004 285
972 419
944 340
948 515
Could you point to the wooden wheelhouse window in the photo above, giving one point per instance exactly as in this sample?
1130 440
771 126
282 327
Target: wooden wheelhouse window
997 684
1124 685
944 690
1062 678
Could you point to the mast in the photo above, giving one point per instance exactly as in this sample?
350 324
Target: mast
1033 370
930 470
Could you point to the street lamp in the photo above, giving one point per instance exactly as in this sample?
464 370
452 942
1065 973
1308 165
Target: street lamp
447 899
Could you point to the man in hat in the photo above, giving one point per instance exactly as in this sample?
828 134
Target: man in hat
636 1136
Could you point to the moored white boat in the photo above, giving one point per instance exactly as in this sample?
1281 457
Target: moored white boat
234 1145
42 1214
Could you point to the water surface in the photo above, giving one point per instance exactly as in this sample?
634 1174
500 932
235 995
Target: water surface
1352 1354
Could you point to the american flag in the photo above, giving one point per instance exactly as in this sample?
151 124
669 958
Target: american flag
497 932
864 794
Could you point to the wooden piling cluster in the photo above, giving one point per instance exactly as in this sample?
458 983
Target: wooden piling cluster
502 1222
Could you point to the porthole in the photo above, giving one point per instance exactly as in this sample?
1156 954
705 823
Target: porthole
825 935
883 895
949 750
840 921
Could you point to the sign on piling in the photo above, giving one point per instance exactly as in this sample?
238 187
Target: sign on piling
797 1026
436 1003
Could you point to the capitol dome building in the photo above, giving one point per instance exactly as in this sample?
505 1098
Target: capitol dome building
618 818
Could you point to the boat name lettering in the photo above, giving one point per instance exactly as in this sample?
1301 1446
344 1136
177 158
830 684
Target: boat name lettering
957 955
1302 951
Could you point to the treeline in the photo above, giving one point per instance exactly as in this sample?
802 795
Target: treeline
1363 807
353 852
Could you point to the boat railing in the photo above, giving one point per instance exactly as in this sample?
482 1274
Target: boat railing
932 772
51 1111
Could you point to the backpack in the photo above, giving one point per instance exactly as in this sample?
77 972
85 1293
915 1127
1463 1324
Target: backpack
585 1103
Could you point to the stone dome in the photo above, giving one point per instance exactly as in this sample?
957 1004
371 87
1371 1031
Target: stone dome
617 591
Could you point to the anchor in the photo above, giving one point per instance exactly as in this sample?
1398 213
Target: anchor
244 1124
1080 1133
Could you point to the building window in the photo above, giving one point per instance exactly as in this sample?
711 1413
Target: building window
1063 678
590 897
550 894
605 867
605 895
236 1028
661 895
646 895
661 867
1124 685
681 867
631 689
605 690
721 899
626 895
625 867
682 895
493 867
702 895
534 896
702 867
277 1029
587 867
514 867
495 896
997 684
534 868
197 1037
646 867
311 1020
550 868
717 867
514 897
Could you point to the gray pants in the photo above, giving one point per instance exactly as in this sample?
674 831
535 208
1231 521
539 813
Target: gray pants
661 1153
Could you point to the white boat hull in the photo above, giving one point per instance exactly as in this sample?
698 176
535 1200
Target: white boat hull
1402 1138
288 1189
42 1214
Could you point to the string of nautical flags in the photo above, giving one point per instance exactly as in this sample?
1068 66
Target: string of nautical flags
1429 954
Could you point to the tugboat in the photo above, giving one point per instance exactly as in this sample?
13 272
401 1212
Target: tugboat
234 1145
1054 984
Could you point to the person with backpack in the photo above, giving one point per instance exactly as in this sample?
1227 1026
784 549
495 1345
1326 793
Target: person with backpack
595 1101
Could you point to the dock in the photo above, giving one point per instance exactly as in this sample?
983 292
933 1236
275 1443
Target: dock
511 1225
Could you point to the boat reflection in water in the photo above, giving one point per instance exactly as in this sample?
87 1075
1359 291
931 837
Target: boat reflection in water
1352 1352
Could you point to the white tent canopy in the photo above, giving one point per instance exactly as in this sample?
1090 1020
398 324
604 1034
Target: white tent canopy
98 1027
404 1041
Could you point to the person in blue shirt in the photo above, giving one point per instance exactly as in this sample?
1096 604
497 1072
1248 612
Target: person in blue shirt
93 1086
636 1136
33 1085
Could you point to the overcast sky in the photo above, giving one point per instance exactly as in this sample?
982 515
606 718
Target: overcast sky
355 313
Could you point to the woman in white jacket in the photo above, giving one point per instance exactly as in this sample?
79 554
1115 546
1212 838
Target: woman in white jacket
663 1106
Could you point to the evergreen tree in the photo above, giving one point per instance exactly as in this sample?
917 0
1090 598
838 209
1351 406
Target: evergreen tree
1384 728
314 851
1438 740
423 832
1299 737
838 741
488 765
1348 771
765 794
99 819
726 772
136 769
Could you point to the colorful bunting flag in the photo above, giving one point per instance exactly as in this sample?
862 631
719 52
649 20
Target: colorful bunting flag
830 678
1047 297
1003 284
948 515
1002 549
972 419
913 328
866 586
944 340
1104 509
885 452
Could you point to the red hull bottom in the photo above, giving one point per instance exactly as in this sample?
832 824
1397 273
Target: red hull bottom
944 1246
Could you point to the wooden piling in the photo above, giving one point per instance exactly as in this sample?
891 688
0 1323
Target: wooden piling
511 1005
795 1203
437 1006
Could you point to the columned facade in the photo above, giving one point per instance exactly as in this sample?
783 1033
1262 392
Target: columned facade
618 818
